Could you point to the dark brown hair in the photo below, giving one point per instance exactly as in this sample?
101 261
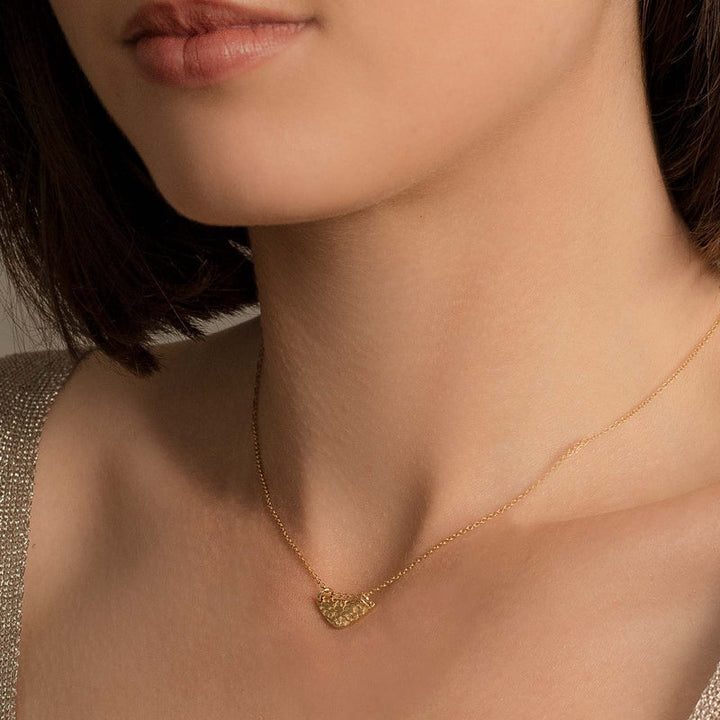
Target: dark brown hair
91 245
98 254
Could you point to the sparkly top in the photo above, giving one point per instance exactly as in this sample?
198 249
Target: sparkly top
29 383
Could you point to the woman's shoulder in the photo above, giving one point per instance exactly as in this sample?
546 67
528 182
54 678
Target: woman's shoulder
29 383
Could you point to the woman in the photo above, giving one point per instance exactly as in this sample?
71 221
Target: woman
483 237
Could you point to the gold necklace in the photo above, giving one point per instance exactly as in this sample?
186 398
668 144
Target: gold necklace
342 609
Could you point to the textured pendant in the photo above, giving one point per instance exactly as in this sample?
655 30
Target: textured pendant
341 610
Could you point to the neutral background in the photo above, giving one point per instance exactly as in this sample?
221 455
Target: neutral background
18 334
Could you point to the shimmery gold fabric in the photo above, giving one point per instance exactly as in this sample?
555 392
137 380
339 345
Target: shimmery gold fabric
29 382
708 706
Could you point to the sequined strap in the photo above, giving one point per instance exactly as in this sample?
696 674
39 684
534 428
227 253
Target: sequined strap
708 706
29 382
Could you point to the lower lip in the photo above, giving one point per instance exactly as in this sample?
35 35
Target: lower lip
207 58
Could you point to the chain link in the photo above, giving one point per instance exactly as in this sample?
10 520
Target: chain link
568 453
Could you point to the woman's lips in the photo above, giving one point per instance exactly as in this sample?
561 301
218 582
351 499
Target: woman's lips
207 58
199 42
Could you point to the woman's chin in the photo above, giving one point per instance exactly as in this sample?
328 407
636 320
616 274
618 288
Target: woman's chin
246 212
280 203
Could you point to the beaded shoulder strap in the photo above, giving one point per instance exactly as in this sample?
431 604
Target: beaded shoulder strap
29 382
708 705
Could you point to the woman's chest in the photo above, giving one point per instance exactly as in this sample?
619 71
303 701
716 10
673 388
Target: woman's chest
597 620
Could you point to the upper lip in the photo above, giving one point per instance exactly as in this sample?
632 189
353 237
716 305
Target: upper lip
191 17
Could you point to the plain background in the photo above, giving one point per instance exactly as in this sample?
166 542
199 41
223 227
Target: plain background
18 334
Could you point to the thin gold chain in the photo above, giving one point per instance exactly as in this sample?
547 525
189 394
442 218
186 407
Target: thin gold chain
568 453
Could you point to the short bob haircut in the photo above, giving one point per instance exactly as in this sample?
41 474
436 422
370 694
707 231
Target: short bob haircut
97 253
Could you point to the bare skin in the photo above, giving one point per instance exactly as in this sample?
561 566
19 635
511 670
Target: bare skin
462 271
158 585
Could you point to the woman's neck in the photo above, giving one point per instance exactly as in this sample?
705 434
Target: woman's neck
426 357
